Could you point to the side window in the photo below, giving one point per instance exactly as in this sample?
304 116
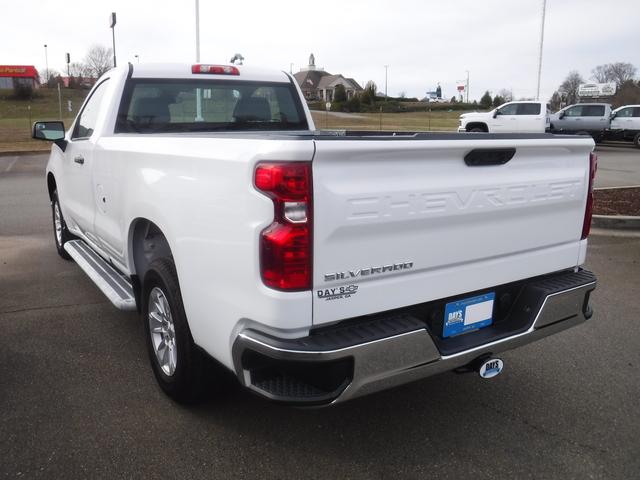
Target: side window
575 111
89 115
636 112
511 109
625 112
529 109
593 111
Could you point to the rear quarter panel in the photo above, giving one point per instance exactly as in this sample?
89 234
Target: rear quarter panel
199 191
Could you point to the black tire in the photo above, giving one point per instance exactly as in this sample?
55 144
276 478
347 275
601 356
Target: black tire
60 238
186 384
477 130
636 140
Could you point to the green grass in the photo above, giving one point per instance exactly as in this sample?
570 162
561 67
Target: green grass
16 117
414 121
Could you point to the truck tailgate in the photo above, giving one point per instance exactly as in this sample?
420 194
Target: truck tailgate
403 221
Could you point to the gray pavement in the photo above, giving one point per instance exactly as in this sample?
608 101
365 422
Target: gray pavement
78 399
618 165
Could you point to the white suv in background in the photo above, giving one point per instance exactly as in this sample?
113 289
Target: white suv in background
511 117
625 124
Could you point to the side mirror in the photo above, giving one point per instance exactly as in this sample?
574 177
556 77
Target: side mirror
561 115
51 131
496 113
614 115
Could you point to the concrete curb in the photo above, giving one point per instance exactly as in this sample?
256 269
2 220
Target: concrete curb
23 152
616 222
616 188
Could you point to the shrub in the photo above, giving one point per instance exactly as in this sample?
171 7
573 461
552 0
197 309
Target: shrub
22 90
340 94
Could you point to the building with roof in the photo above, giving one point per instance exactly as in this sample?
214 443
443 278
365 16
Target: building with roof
12 75
318 84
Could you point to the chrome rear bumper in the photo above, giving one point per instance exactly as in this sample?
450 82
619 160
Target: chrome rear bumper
395 349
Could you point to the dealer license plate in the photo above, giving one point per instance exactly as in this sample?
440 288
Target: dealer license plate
467 315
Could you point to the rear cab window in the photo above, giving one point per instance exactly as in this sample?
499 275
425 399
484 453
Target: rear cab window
593 111
529 109
176 105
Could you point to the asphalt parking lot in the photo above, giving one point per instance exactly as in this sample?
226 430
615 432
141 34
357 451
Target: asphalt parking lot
618 165
78 399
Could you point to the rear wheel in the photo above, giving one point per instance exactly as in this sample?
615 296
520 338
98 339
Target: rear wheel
636 140
176 362
60 233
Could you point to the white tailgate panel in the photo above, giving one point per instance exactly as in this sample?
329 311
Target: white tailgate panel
387 202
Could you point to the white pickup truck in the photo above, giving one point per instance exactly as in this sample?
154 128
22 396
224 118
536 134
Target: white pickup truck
524 116
317 266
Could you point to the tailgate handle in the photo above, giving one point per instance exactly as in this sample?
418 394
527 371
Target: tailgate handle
481 157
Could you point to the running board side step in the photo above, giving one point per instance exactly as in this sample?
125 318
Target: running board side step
114 285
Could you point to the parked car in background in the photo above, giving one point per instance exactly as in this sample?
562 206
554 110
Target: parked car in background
583 119
625 124
511 117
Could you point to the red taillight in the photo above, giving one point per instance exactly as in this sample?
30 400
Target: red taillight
215 69
285 245
588 211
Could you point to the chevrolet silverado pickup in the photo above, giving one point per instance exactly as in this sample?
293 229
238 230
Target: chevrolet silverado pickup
317 266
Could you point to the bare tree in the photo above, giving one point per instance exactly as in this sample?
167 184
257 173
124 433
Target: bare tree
79 70
506 94
98 60
618 73
569 88
555 103
627 94
46 76
621 72
601 74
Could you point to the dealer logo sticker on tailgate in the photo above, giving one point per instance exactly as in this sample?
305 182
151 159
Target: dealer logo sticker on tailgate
337 293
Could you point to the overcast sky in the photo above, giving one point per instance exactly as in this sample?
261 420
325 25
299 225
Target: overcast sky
423 42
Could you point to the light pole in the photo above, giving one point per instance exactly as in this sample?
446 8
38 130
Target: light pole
46 61
137 58
386 71
291 68
68 59
199 117
112 25
544 9
466 88
197 30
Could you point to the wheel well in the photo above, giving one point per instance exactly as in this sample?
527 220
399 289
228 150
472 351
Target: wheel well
147 243
471 126
51 185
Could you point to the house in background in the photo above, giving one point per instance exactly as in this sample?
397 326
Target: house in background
317 84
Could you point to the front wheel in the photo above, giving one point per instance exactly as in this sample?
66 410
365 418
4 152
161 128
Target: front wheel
636 140
176 362
61 234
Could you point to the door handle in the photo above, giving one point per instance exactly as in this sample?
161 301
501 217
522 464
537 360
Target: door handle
79 159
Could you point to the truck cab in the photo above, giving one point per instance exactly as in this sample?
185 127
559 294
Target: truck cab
510 117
